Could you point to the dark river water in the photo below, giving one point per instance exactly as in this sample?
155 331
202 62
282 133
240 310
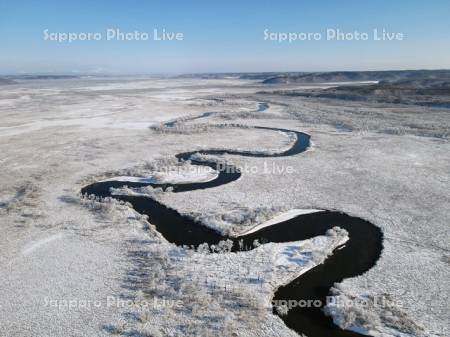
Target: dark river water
358 255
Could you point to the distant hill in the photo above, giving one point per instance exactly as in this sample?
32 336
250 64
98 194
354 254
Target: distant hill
245 76
326 77
42 77
357 76
5 81
256 76
433 92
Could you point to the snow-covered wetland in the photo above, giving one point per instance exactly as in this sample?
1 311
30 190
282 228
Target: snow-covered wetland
82 266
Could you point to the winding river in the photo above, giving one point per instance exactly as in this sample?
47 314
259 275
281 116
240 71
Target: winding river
358 255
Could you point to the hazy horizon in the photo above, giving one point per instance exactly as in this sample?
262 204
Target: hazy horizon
206 72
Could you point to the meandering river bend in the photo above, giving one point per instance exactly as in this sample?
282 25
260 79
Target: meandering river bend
357 256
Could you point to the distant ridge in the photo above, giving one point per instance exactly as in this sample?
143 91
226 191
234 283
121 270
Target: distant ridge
357 76
432 92
5 81
41 77
324 77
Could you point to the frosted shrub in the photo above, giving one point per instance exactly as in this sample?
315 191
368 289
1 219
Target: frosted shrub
238 218
225 246
336 232
222 247
161 163
195 128
364 312
149 191
203 248
150 331
282 309
256 243
104 205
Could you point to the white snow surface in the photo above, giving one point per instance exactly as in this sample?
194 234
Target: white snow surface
292 213
198 174
387 164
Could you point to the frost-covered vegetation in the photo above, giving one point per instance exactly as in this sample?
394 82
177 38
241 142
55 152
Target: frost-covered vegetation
232 222
426 92
370 160
195 128
371 315
219 299
396 119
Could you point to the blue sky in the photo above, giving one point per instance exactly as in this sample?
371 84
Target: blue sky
221 36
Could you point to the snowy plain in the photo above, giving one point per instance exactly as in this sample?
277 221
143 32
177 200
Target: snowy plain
387 164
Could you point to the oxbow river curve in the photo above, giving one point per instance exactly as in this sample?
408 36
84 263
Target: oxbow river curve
358 255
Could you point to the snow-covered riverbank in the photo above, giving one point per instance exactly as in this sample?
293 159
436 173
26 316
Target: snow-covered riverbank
55 245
